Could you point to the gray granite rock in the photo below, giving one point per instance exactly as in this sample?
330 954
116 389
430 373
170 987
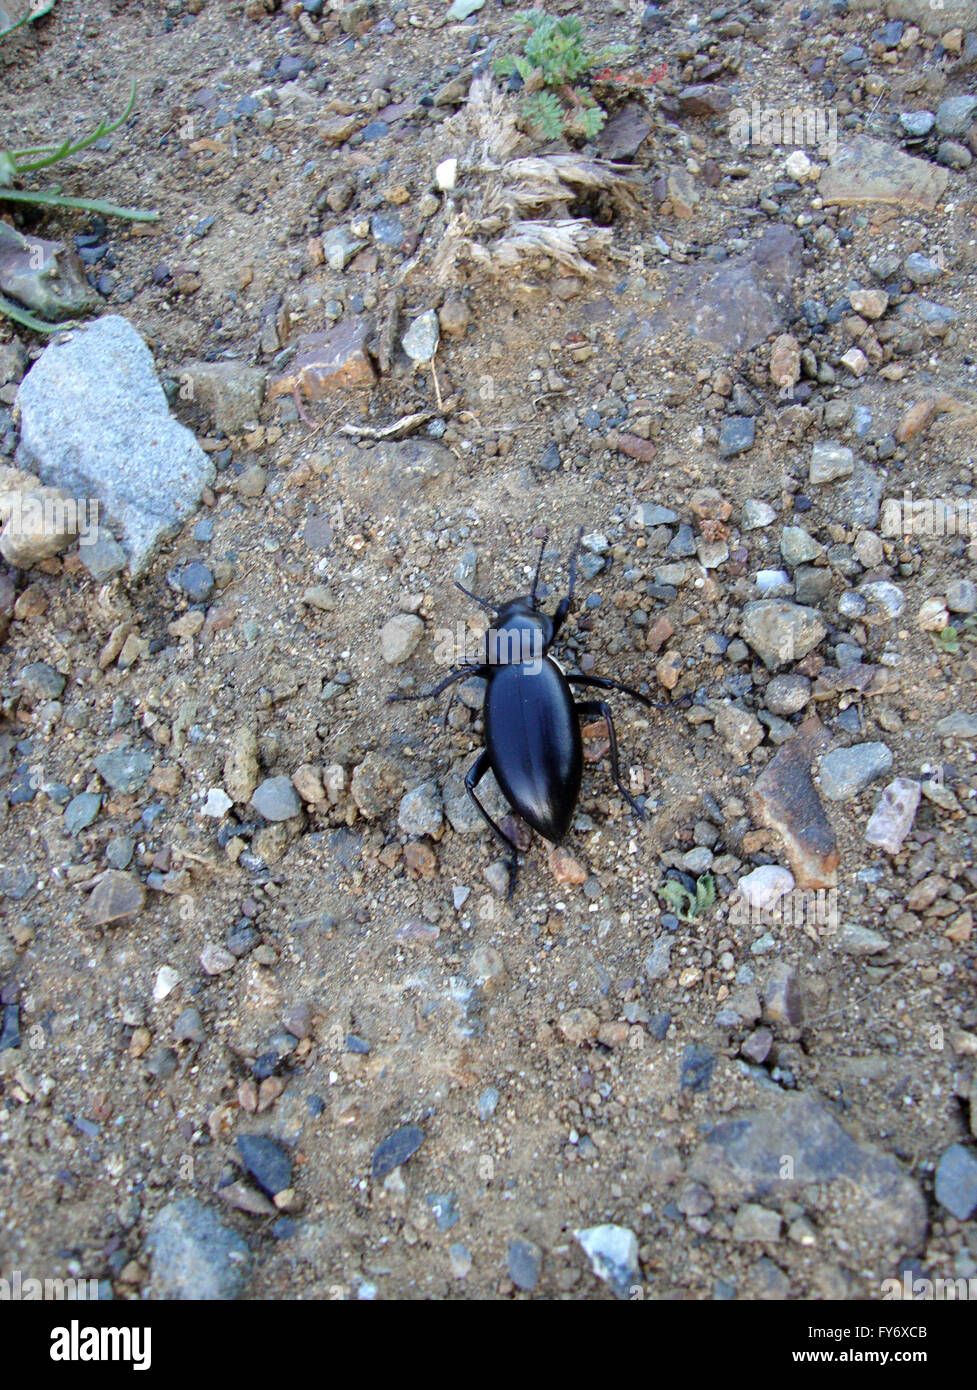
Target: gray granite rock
95 422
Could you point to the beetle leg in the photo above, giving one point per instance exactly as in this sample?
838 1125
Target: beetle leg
603 683
473 776
476 669
563 607
601 708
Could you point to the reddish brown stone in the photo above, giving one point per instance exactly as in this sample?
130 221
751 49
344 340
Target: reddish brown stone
785 800
329 361
641 449
658 635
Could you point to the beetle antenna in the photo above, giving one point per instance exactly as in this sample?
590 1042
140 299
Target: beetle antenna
483 601
539 566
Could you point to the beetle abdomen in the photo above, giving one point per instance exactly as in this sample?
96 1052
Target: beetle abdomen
534 744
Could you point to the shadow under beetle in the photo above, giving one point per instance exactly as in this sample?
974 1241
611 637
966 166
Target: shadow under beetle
532 732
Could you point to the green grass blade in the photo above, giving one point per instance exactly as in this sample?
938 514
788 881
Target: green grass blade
55 154
28 18
58 200
21 316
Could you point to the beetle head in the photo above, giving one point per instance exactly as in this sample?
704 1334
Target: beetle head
519 635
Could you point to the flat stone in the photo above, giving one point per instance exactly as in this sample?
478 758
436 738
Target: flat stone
193 1256
960 724
798 546
956 1181
103 557
420 811
276 799
757 514
704 99
917 123
334 359
736 435
230 392
525 1263
396 1149
743 1157
399 638
780 631
80 811
116 896
267 1162
388 480
625 132
785 695
867 171
95 421
124 770
733 304
785 799
830 461
955 115
755 1223
844 772
376 785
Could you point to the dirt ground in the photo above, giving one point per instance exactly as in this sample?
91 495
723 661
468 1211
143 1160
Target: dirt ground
389 980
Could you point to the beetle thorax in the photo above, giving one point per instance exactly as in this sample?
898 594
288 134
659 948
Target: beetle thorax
519 636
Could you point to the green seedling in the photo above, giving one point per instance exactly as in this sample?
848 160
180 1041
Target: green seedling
685 905
554 63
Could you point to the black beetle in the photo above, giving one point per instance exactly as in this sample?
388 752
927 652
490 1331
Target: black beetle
532 733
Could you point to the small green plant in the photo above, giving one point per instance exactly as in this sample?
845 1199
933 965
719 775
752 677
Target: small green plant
16 163
553 62
948 640
688 906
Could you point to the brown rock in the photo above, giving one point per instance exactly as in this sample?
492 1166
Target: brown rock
641 449
785 360
669 669
579 1025
659 634
916 419
116 896
735 304
867 171
454 316
703 100
333 360
565 869
786 800
335 129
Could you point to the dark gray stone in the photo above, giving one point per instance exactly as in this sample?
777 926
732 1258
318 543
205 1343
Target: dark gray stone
396 1149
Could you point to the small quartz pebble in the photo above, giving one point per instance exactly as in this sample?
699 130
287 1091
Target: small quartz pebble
613 1255
764 887
892 819
218 803
167 979
446 174
216 960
